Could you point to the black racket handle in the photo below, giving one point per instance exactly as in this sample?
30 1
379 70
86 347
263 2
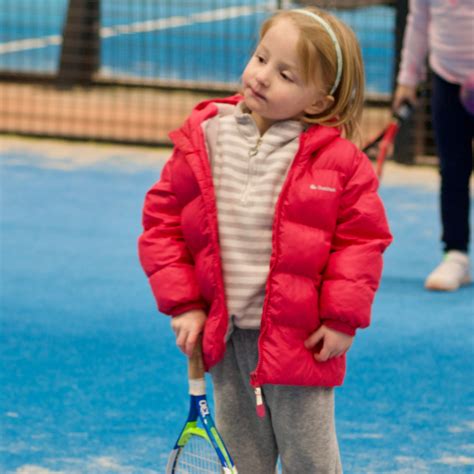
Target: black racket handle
404 111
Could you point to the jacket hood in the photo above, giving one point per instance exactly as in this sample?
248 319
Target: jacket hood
188 137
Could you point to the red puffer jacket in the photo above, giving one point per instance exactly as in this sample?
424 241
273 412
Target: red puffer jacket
329 232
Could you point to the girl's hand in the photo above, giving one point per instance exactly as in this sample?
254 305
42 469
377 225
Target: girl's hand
187 327
403 93
333 343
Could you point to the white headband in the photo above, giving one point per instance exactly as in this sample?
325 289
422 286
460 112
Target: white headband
331 33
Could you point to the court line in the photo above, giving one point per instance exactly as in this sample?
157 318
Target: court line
220 14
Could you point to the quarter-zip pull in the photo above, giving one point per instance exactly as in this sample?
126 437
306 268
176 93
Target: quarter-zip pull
252 153
260 403
254 150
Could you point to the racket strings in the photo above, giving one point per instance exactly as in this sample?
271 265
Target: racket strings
197 456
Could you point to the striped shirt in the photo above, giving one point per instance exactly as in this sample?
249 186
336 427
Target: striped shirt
248 172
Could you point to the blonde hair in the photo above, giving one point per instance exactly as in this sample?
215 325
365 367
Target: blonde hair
316 51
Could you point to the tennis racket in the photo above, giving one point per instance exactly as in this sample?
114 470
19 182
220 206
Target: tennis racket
378 148
199 450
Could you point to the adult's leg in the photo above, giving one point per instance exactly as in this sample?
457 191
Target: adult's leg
453 127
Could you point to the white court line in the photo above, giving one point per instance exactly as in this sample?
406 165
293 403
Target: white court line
141 27
30 43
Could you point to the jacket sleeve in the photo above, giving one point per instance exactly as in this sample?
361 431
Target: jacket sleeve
354 268
163 252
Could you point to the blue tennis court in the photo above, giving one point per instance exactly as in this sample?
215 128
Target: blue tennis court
92 382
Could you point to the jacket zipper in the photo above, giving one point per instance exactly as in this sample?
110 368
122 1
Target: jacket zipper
254 376
253 152
212 216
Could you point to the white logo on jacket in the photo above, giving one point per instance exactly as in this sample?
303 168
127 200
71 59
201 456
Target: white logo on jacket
317 187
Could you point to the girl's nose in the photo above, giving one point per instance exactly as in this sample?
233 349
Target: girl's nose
263 77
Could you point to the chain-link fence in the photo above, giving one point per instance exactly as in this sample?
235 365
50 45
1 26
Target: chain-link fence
130 71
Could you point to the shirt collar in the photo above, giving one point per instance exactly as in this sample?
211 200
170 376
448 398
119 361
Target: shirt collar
278 134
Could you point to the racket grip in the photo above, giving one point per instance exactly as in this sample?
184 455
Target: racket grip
404 111
195 363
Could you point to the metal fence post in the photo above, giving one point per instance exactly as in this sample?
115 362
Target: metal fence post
80 51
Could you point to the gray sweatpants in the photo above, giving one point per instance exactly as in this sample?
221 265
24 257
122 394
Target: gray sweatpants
299 422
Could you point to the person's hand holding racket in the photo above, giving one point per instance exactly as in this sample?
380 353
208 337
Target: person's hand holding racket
332 343
402 94
382 144
187 327
199 448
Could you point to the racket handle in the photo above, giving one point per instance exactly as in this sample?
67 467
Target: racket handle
195 363
404 111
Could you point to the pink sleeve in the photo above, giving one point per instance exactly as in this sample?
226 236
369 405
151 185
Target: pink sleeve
415 44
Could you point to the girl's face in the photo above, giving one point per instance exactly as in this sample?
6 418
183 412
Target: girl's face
273 87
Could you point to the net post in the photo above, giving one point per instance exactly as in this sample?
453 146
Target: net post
80 50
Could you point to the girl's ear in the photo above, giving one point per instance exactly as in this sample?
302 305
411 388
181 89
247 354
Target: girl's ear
320 104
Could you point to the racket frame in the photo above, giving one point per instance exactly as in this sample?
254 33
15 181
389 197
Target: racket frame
387 136
199 411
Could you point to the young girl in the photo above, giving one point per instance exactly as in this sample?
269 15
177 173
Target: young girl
265 232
